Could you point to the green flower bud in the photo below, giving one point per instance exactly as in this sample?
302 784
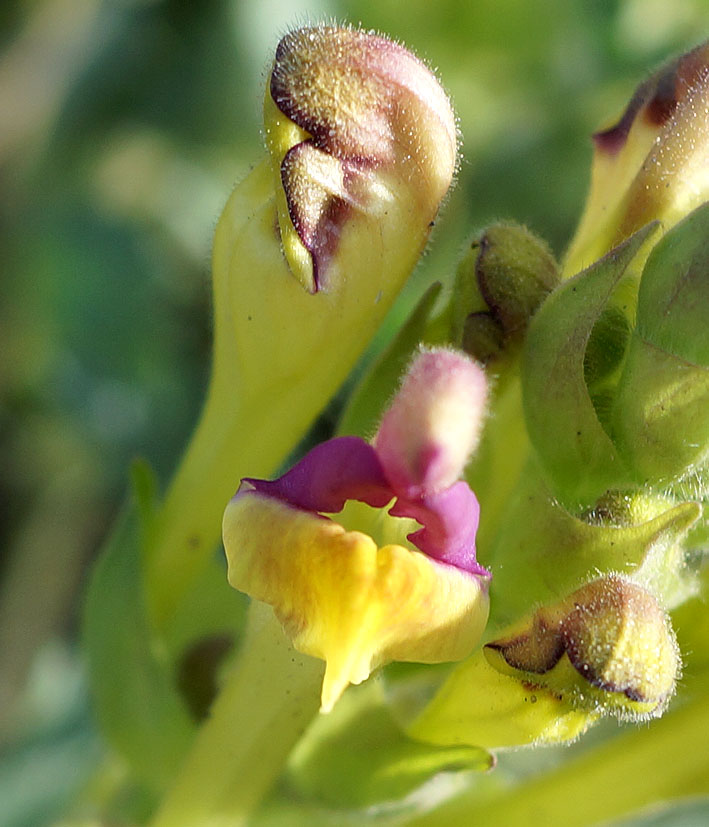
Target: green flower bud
500 283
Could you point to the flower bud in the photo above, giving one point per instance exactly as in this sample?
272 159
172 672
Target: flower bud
653 163
361 136
500 283
615 636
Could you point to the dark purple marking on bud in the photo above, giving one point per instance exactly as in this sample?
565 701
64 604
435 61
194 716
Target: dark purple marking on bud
537 650
657 98
614 634
318 211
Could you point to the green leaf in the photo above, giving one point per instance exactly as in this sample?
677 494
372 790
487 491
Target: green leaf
543 552
673 299
579 459
135 697
660 418
357 756
637 769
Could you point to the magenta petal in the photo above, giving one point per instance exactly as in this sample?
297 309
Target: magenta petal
348 468
450 520
341 469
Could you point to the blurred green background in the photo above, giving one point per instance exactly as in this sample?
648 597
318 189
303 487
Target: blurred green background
123 127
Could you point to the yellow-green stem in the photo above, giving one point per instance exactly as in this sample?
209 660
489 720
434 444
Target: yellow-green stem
269 697
232 440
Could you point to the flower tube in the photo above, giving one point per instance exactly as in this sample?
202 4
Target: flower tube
416 593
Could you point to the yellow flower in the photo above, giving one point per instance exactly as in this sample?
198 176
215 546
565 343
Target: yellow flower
418 594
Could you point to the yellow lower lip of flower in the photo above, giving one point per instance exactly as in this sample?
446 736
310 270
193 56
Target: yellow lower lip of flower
343 599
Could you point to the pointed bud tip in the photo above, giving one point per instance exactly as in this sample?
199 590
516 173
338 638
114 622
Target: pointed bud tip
656 100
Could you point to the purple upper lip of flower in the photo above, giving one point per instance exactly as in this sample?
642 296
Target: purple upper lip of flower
348 468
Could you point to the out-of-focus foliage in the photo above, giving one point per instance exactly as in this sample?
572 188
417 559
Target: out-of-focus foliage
124 126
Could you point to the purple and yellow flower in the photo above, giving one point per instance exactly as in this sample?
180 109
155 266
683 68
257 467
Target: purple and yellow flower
396 576
310 252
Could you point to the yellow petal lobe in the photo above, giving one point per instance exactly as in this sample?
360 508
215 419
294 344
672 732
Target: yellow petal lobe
343 599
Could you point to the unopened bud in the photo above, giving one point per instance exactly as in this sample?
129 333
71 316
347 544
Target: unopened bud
500 283
614 635
362 139
653 163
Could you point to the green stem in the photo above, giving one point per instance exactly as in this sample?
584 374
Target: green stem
231 440
496 469
667 761
268 700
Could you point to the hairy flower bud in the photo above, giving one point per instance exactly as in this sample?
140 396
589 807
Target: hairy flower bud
653 163
500 283
361 136
615 636
434 424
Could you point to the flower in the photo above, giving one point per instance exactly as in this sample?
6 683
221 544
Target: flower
653 163
310 251
606 649
621 649
361 136
341 595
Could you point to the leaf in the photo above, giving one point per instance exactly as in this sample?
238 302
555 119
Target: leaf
577 455
543 552
135 697
357 756
660 418
673 298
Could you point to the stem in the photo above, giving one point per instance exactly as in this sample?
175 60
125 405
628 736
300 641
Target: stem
502 456
231 440
268 700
